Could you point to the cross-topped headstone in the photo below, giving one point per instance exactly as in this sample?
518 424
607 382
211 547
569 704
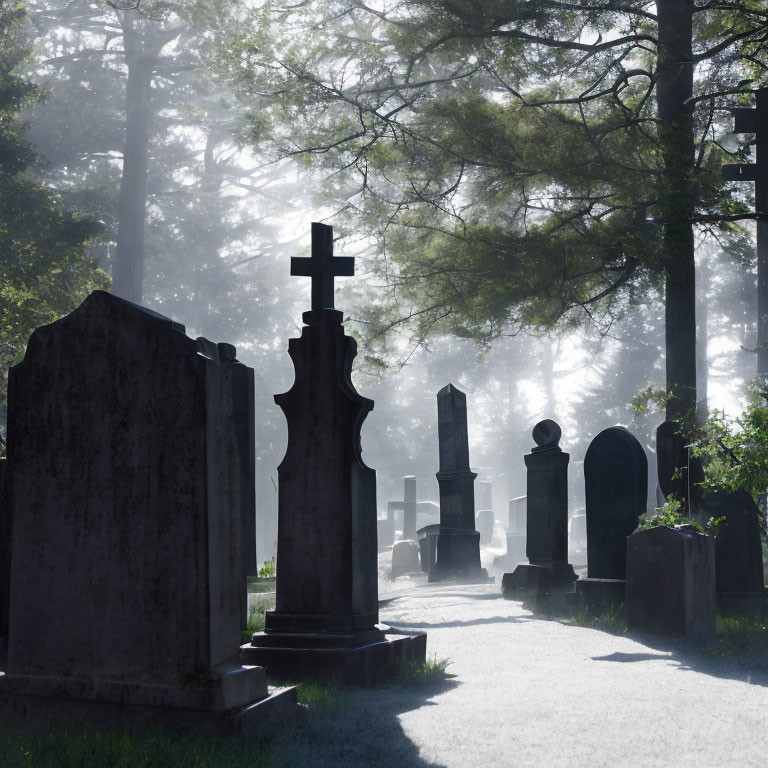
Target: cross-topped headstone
322 267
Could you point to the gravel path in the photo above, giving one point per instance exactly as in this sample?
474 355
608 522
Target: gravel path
533 692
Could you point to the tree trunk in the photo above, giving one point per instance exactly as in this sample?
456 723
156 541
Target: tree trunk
676 139
128 268
702 358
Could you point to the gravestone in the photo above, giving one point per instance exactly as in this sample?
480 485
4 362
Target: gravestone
325 622
124 488
671 582
405 558
546 519
458 544
5 565
738 550
516 537
484 520
616 492
428 536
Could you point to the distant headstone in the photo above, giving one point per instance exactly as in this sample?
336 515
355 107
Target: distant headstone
405 558
738 549
458 546
671 582
518 515
616 494
578 529
124 482
428 536
484 524
326 615
547 515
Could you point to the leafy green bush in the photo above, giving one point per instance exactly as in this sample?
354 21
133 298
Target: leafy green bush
269 569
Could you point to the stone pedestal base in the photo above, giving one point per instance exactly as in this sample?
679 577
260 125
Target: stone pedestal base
534 581
600 593
458 558
367 659
237 699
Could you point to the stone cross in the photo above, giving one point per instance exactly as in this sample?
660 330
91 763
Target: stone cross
322 267
325 621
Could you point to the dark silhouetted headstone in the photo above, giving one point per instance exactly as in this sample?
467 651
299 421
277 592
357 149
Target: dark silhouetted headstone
458 546
326 614
5 564
671 582
671 458
125 494
428 536
547 516
738 550
616 492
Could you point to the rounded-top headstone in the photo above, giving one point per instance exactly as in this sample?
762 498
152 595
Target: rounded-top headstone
546 435
615 492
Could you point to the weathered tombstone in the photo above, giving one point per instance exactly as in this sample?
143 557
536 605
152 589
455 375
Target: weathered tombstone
405 558
125 501
547 517
616 493
326 616
5 565
428 536
458 545
738 550
518 516
486 495
671 582
243 418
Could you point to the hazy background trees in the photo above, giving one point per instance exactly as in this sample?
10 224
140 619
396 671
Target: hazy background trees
500 168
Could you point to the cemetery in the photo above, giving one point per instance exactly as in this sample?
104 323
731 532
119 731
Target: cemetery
383 385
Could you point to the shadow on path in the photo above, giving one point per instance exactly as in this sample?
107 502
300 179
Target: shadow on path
734 656
358 728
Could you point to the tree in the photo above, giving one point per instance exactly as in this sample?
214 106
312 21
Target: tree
520 164
45 270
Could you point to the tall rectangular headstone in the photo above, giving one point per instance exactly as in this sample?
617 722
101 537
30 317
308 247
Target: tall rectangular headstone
738 549
5 564
326 617
547 516
125 500
458 544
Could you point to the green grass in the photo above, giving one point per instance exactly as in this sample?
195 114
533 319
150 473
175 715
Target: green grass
742 638
423 673
62 743
257 607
